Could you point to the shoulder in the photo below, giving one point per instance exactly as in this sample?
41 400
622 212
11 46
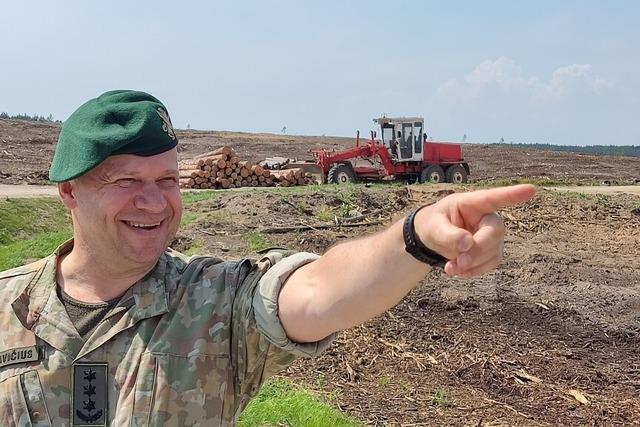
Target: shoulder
193 269
14 280
208 271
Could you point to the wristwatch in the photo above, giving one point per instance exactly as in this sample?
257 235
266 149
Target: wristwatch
414 246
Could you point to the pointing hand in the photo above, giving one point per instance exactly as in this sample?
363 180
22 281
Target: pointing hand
465 229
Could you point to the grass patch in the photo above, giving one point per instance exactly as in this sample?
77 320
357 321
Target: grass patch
538 182
189 197
280 403
576 195
440 397
188 218
31 229
324 213
385 381
24 251
256 241
196 248
22 219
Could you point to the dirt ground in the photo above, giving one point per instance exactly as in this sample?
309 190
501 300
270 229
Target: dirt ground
560 316
550 338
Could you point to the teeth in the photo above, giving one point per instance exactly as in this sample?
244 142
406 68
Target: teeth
135 224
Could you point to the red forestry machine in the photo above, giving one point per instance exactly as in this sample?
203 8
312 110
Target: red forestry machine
403 152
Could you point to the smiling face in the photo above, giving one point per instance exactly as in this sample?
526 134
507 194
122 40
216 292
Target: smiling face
127 209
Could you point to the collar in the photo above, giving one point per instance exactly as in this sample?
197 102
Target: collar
39 309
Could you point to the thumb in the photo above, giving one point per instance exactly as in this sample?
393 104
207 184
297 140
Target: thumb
445 238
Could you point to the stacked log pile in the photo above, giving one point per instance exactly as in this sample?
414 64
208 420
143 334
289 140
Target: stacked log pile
222 168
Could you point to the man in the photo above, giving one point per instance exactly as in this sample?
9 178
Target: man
393 148
116 329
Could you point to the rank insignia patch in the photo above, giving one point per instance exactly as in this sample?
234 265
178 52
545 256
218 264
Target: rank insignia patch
89 397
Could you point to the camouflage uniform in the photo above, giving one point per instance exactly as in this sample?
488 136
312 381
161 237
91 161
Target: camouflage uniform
189 344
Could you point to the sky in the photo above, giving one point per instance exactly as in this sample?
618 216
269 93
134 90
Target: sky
558 72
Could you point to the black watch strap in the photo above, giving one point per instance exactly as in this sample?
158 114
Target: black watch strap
414 246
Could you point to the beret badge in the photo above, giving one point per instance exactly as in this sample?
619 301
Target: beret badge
166 126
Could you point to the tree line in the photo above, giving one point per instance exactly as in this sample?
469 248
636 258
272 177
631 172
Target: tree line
609 150
34 118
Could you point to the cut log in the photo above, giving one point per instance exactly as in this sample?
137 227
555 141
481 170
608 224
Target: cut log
226 150
224 182
190 163
189 173
258 170
245 164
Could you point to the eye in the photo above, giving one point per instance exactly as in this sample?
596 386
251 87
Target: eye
169 180
125 182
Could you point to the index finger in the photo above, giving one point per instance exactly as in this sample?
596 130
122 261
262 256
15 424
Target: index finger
488 201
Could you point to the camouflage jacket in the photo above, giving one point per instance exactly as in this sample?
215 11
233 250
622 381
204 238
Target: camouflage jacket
189 344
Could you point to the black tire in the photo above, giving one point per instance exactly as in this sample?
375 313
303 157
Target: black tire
456 174
341 173
432 174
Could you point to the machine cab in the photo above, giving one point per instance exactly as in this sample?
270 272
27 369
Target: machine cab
403 137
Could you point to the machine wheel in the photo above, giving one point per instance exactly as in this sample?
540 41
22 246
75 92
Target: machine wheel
433 174
456 174
341 173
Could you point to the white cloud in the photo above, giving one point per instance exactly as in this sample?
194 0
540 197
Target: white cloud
506 75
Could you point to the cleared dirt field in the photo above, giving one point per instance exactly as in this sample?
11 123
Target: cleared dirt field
550 338
26 150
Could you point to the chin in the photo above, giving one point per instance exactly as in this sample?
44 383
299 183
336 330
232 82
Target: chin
147 254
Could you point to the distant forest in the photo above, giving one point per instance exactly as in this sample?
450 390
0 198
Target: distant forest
34 118
609 150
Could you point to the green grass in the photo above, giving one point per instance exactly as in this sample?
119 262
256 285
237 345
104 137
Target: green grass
196 248
440 397
324 213
281 403
385 381
539 182
255 241
189 197
577 195
188 218
24 218
31 229
24 251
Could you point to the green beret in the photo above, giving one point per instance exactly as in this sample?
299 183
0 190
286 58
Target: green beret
116 122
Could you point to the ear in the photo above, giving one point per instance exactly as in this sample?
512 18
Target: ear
66 193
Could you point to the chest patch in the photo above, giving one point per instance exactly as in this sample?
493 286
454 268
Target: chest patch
89 397
19 355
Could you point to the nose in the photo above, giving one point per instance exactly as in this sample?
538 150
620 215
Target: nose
150 198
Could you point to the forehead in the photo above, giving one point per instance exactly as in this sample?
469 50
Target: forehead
139 165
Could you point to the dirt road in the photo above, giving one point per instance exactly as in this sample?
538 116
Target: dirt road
600 189
22 191
15 191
